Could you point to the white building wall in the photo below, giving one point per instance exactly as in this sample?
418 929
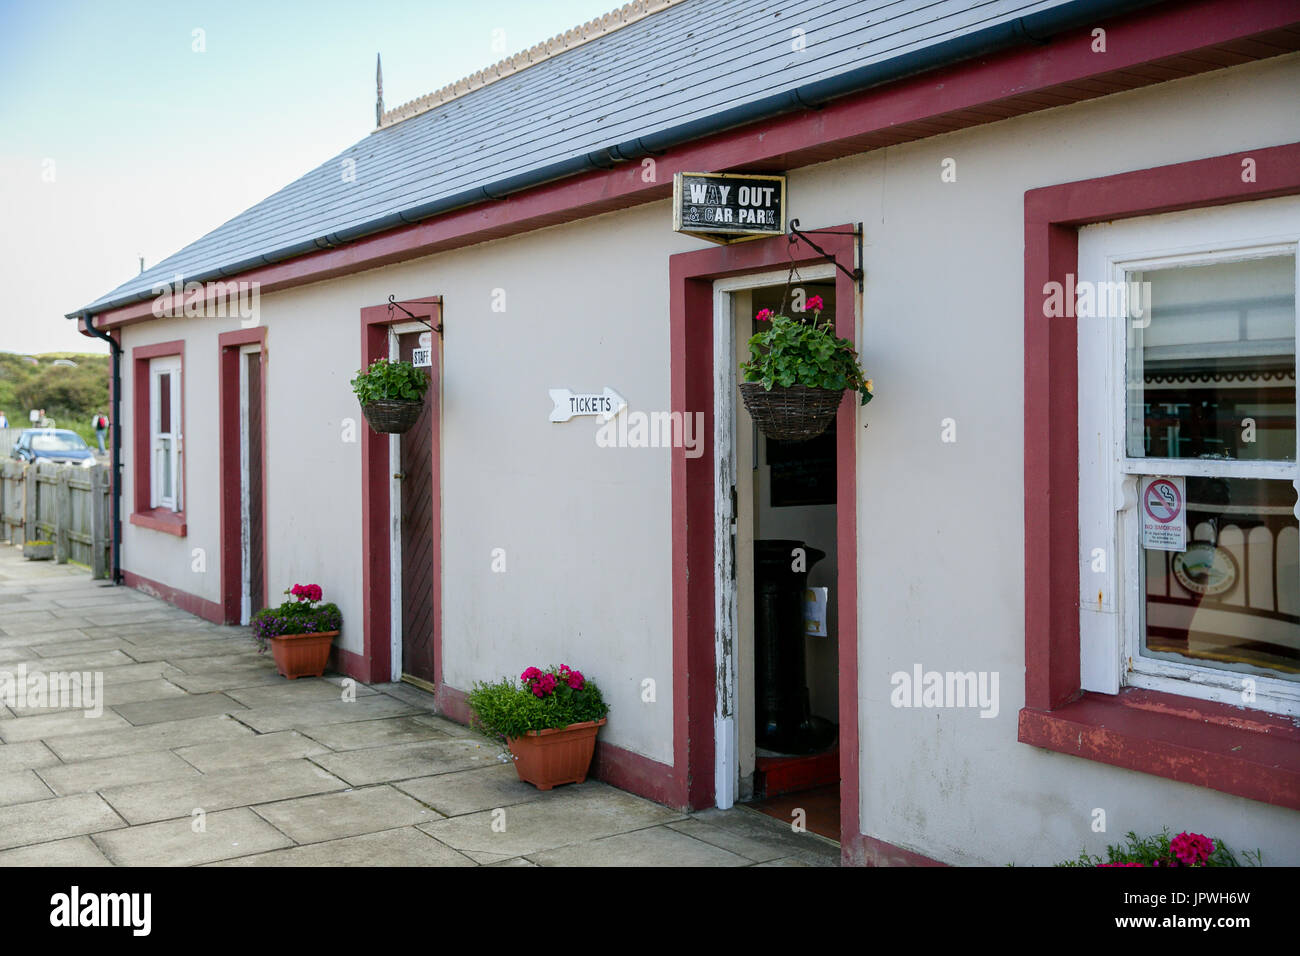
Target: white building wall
586 530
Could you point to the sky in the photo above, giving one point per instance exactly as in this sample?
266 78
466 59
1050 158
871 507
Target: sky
131 129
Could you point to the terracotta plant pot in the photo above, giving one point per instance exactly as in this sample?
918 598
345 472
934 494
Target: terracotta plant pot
302 655
547 758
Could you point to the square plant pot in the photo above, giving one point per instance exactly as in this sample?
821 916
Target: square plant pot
38 550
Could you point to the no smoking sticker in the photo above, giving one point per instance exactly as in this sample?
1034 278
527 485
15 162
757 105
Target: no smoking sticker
1163 508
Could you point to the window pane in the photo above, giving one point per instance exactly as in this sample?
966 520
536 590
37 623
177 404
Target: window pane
1233 597
165 449
165 402
1211 363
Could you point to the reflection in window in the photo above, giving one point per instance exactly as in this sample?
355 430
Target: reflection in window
1211 374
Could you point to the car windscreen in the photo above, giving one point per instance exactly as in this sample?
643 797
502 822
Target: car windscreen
58 441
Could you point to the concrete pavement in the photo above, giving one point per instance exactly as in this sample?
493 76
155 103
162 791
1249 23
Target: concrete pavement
203 755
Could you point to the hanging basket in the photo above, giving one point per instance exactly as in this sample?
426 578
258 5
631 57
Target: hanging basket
792 413
392 417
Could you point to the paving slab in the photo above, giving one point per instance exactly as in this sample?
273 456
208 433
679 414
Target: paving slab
360 734
758 836
180 733
468 791
177 708
117 693
34 639
405 847
226 679
22 786
31 753
251 750
222 790
180 650
74 852
405 761
289 692
226 834
47 820
656 846
332 816
92 645
11 657
60 724
97 661
91 775
295 716
576 814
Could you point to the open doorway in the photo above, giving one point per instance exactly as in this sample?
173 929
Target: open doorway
778 535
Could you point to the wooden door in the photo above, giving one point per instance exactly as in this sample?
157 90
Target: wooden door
418 542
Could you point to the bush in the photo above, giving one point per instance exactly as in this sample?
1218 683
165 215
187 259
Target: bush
555 697
303 615
386 381
792 352
1186 849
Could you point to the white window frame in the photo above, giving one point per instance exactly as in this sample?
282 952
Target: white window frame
1111 600
165 365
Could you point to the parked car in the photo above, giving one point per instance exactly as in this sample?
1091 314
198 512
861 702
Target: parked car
52 444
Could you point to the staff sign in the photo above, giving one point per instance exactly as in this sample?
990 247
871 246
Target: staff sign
728 207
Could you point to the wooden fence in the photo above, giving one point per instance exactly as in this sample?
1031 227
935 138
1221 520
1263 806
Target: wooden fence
66 504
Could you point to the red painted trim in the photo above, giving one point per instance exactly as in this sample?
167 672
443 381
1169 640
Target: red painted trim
376 542
862 850
1040 76
144 515
691 275
1174 739
1256 756
208 610
160 519
616 766
228 345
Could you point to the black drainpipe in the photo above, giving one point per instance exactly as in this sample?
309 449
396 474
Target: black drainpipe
116 573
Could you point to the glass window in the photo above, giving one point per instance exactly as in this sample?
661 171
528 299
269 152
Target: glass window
1211 377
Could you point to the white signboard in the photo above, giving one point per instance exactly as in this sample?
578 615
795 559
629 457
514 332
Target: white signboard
1163 510
814 611
604 404
422 358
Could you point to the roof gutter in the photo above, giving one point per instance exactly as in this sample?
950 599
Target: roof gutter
1035 28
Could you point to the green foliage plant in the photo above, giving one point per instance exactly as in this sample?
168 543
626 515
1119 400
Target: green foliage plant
796 352
539 700
386 381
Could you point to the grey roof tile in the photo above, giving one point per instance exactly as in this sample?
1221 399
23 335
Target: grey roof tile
688 62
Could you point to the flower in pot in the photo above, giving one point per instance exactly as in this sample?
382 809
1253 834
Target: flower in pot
796 374
391 395
548 719
299 631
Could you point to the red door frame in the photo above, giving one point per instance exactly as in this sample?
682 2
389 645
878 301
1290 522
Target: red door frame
694 670
228 344
374 663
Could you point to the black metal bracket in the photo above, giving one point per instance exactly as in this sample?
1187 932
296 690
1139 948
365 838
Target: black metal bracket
393 303
796 234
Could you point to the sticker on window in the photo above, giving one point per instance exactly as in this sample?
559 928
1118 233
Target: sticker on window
1164 514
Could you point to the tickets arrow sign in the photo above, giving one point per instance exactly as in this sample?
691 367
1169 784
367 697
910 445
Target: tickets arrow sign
604 404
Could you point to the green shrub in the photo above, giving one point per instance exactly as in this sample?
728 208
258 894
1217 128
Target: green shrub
793 352
386 381
1185 849
555 697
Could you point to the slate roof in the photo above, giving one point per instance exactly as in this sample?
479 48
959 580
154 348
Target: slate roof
693 63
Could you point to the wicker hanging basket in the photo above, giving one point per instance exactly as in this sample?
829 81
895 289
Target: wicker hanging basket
792 413
392 417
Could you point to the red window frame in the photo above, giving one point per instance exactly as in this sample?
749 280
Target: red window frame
1242 752
143 514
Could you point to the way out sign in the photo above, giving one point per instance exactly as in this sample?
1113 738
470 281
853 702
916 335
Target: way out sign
1163 511
728 207
605 404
